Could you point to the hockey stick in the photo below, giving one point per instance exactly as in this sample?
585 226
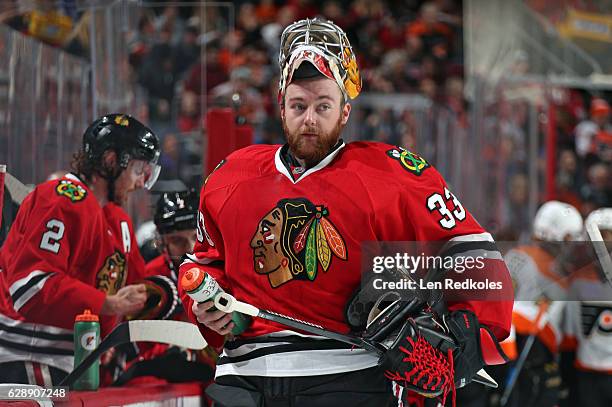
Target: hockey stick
183 334
16 188
541 320
227 303
600 249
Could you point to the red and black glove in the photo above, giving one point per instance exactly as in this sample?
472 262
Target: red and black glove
162 298
433 357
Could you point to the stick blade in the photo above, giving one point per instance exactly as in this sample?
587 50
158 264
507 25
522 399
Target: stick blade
183 334
483 377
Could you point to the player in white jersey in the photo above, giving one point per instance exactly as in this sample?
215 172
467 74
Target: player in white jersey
540 274
588 322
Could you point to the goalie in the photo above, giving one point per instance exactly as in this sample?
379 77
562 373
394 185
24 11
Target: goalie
282 227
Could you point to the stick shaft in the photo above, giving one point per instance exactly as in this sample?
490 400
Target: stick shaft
292 323
600 249
113 339
227 303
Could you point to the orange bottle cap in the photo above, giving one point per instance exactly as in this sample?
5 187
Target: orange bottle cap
192 279
87 316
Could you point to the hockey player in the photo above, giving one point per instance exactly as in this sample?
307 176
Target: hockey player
281 227
72 248
175 219
588 323
540 273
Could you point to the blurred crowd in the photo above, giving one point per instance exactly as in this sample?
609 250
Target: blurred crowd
180 54
583 153
189 59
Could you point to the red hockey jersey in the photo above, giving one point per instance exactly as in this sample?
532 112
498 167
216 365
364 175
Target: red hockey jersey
63 254
293 246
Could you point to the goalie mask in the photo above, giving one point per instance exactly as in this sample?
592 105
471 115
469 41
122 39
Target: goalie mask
324 45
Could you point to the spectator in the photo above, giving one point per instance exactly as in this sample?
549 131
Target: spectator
170 158
454 100
141 41
240 94
214 73
429 88
430 35
249 24
187 51
265 11
587 130
170 21
598 192
189 112
516 219
158 76
271 32
390 34
394 70
568 179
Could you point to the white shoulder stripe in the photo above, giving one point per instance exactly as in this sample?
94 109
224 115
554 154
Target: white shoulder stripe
477 237
485 254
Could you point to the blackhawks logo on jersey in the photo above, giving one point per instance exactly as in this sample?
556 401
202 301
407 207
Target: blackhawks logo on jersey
111 277
410 161
70 190
295 240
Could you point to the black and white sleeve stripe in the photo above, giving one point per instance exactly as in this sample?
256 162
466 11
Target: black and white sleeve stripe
474 245
24 289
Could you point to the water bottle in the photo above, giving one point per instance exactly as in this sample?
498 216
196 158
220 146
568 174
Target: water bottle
86 339
202 287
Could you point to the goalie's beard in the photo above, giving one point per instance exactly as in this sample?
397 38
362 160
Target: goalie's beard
312 155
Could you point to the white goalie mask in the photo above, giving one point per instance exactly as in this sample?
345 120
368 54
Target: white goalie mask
325 46
555 220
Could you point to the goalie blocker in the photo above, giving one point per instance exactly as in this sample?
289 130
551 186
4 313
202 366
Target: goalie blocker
431 355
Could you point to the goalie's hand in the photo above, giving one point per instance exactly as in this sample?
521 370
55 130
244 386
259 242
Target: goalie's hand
210 317
419 358
430 356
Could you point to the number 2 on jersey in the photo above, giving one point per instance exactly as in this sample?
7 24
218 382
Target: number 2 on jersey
449 218
50 239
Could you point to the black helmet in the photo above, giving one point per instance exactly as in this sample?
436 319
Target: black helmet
125 135
176 211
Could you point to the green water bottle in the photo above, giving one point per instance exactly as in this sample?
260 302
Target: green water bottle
202 287
86 339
